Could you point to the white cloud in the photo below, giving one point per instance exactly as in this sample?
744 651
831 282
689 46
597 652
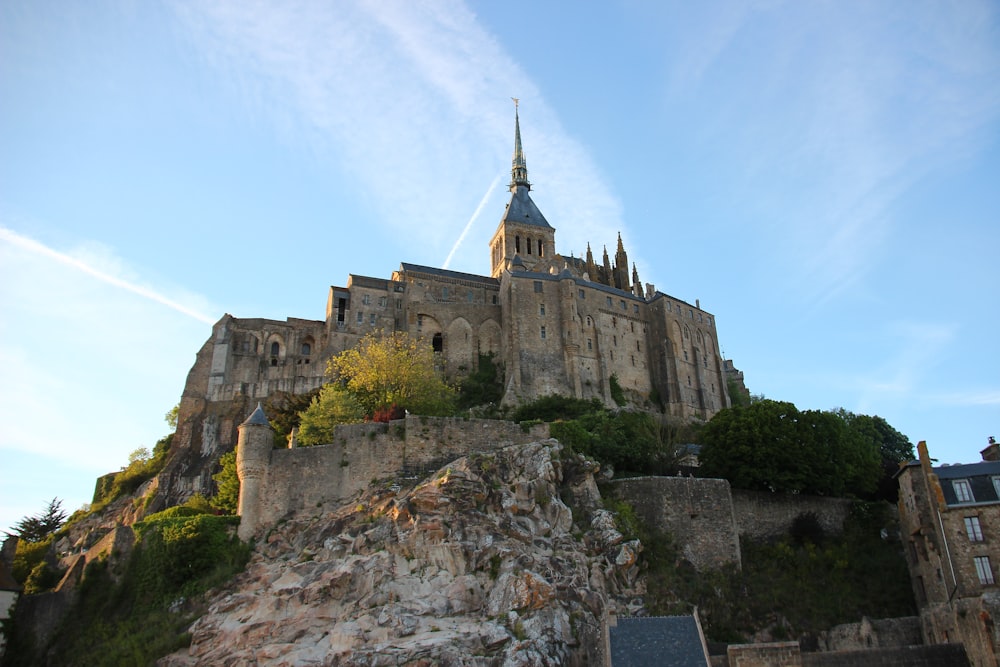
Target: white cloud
415 100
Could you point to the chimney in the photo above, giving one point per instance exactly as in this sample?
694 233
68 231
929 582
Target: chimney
992 451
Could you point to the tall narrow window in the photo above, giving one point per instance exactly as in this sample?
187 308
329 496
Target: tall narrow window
527 242
543 333
306 349
963 492
540 248
517 244
984 570
973 529
437 342
275 349
541 309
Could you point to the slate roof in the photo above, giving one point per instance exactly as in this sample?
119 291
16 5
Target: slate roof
258 418
453 275
521 209
980 477
660 641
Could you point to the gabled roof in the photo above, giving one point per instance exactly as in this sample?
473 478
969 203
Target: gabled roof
486 281
661 641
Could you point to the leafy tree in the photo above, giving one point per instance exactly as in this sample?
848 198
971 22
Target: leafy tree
393 369
284 410
37 528
893 447
772 446
171 417
227 497
484 386
334 405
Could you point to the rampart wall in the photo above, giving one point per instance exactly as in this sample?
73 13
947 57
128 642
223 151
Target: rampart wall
707 518
304 478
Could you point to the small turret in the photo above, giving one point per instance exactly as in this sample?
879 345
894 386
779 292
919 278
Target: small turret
253 456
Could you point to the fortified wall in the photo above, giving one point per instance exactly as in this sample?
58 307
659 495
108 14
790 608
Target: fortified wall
279 482
708 518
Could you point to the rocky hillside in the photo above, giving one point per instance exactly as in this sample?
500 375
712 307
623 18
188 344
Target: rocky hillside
483 563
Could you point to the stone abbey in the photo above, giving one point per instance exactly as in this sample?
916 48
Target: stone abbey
554 325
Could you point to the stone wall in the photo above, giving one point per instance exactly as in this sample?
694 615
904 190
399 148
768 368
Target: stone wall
881 633
305 479
765 515
698 513
776 654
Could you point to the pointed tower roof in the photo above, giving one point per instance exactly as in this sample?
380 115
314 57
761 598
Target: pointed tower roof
257 418
520 208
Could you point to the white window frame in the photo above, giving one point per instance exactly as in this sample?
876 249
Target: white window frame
963 491
974 529
984 570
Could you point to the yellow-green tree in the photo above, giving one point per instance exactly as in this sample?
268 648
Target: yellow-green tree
334 405
393 370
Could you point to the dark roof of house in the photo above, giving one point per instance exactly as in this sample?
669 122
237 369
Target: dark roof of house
445 273
663 641
978 475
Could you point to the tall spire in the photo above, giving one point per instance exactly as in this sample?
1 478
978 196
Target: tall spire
518 169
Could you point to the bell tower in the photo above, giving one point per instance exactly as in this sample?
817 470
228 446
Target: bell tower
523 231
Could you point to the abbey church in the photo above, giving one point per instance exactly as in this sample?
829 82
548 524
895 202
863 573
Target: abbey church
555 325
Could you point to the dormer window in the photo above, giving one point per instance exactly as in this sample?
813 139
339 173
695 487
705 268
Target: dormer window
963 492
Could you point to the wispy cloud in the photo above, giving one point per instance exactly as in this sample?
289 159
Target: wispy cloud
30 245
836 110
414 98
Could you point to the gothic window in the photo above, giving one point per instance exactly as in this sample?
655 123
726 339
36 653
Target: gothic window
306 349
963 492
540 248
973 529
437 342
984 570
275 349
590 322
527 242
517 244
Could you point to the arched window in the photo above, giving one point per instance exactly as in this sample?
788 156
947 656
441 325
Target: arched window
517 244
275 349
437 342
527 242
540 248
306 349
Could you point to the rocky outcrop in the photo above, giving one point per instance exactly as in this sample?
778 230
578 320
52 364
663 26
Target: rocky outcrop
480 564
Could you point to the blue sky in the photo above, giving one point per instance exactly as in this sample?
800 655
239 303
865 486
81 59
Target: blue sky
822 176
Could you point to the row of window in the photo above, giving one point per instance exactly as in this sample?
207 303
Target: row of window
963 490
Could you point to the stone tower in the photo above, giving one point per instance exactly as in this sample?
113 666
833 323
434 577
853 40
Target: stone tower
253 455
523 231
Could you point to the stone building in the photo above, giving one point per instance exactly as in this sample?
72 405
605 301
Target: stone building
950 523
553 324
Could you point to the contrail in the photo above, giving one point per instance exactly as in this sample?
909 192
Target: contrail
36 247
475 214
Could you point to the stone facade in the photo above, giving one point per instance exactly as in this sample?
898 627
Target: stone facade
554 325
950 524
277 483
